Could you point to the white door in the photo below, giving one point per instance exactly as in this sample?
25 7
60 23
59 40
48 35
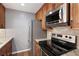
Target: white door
22 34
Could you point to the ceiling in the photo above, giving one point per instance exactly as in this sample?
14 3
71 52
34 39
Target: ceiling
28 7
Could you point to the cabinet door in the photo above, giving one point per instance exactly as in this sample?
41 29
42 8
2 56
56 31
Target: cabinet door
37 49
58 5
2 16
36 16
74 15
6 50
39 15
45 10
3 51
51 6
9 48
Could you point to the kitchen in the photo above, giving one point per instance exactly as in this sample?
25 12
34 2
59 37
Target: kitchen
42 29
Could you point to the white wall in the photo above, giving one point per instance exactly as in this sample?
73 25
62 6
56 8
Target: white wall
21 23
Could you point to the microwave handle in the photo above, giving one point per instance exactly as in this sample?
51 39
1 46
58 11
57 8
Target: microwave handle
60 14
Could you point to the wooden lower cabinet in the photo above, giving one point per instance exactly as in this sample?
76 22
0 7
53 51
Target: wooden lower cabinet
37 49
24 53
6 50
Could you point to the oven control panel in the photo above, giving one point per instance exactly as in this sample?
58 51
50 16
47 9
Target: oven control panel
69 38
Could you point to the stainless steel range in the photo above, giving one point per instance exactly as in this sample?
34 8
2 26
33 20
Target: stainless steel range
58 45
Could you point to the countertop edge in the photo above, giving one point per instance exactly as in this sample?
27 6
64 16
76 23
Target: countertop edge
3 44
37 40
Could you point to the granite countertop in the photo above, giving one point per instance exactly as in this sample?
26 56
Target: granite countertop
41 39
72 53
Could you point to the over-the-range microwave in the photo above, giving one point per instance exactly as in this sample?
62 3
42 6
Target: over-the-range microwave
58 17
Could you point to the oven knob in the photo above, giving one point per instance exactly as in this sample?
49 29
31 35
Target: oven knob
70 37
66 36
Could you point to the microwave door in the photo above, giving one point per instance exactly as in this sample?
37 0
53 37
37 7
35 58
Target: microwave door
60 15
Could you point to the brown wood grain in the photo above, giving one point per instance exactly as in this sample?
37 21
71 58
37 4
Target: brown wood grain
2 16
42 12
25 53
6 50
58 5
74 15
37 49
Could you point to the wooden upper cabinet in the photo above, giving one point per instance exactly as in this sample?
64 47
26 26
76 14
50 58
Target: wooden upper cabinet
74 15
45 10
51 6
38 15
42 12
2 16
58 5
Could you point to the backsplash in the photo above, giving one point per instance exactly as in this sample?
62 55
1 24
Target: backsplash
67 31
6 33
63 30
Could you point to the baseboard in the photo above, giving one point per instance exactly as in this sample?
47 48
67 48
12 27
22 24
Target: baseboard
21 51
